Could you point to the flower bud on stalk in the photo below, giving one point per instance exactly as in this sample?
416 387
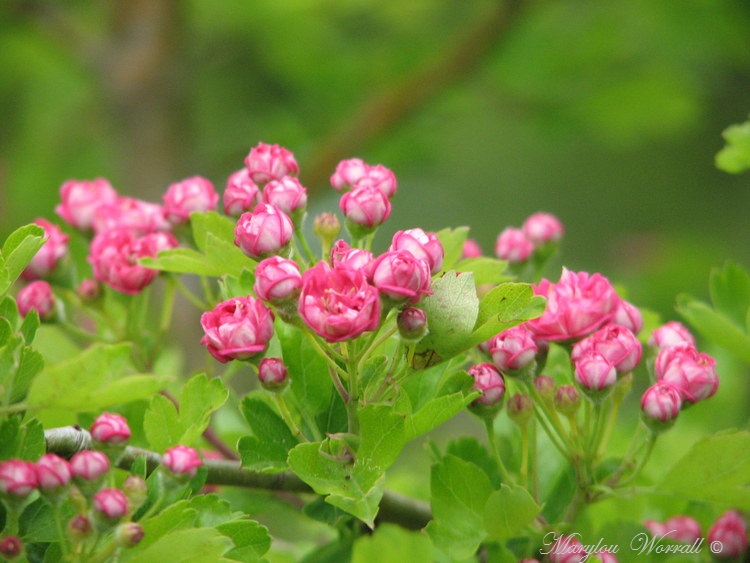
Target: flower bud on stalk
670 334
241 194
327 228
11 547
567 400
412 324
513 246
266 231
79 528
135 490
660 405
692 373
89 290
237 329
400 277
110 428
273 374
542 228
270 162
381 178
182 462
54 249
278 280
109 506
492 385
422 245
683 529
514 351
129 534
545 386
54 474
189 195
39 297
80 200
18 479
595 374
90 468
365 209
288 195
729 534
348 173
520 409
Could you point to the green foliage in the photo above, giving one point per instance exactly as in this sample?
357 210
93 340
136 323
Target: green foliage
17 251
735 156
391 544
268 448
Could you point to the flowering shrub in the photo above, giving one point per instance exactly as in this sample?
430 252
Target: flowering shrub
337 356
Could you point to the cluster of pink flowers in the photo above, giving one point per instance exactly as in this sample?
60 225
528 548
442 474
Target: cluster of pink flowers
727 536
517 245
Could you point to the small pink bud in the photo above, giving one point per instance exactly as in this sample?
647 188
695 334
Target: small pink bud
81 199
135 490
365 207
540 228
594 372
629 316
606 556
661 402
89 465
277 280
241 194
270 162
567 400
348 173
237 329
129 534
669 334
728 535
54 249
39 297
471 249
400 276
423 245
89 290
134 215
110 428
327 227
189 195
273 374
567 549
412 324
490 382
546 387
111 503
79 528
356 258
182 461
264 232
53 472
520 408
513 349
692 373
683 529
615 343
10 547
381 178
287 194
18 478
513 246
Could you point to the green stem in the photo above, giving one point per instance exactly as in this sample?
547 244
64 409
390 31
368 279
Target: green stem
187 294
504 474
525 455
16 407
352 403
288 418
306 416
650 443
305 246
64 545
533 485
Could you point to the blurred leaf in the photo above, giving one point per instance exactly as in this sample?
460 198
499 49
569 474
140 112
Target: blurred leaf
486 270
729 288
392 544
251 540
185 261
714 326
469 449
31 363
735 156
29 326
268 449
18 250
453 244
508 511
195 545
162 424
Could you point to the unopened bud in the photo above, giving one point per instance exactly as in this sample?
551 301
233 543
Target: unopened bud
520 409
545 386
11 547
273 374
79 528
412 324
567 400
135 490
129 534
327 228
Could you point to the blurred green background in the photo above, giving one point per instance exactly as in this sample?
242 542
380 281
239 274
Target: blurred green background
606 113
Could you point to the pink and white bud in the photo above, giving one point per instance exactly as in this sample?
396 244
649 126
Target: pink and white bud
693 373
89 465
594 372
237 329
89 290
540 228
423 245
54 249
513 246
277 280
545 386
381 178
135 490
182 461
471 249
661 402
241 194
110 503
287 194
682 529
520 408
37 296
273 374
513 349
412 324
629 316
53 472
134 215
616 343
270 162
490 382
669 334
129 534
327 227
264 232
79 528
356 258
10 547
365 207
110 428
81 199
728 535
189 195
567 400
400 276
348 173
18 478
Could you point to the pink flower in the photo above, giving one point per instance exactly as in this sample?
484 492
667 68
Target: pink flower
381 178
273 373
112 503
512 349
606 556
616 343
237 329
270 162
683 529
110 428
131 214
277 280
669 334
542 227
343 255
53 472
729 533
38 296
287 194
365 207
89 465
264 232
629 316
471 249
81 199
513 246
693 373
423 245
241 194
338 303
189 195
348 173
490 382
567 549
182 460
114 256
661 402
576 306
400 276
594 372
54 249
17 477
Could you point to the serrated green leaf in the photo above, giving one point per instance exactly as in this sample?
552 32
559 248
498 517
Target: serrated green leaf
10 437
18 250
392 544
196 545
453 244
175 517
434 413
9 310
204 223
469 449
6 331
714 326
29 326
199 399
310 380
251 540
729 288
506 306
30 364
162 424
268 449
486 270
508 511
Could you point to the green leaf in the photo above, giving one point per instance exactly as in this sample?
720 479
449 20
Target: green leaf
715 469
268 449
506 306
18 250
204 223
735 156
469 449
714 326
10 437
31 363
434 413
184 261
29 326
730 292
162 424
453 245
508 511
459 492
251 540
199 399
486 270
33 445
308 371
6 331
392 544
196 545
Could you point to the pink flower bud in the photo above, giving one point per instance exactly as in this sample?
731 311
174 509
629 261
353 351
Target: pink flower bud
629 316
273 374
471 249
381 178
729 535
424 246
542 227
129 534
135 490
520 408
189 195
287 194
567 400
182 460
513 349
54 249
79 528
270 162
17 477
545 386
89 465
81 199
264 232
53 472
327 227
616 343
513 246
38 296
241 194
606 556
365 207
412 324
567 549
348 173
277 280
130 214
661 402
490 382
111 503
595 372
692 373
237 329
669 334
10 547
343 255
400 276
89 290
110 428
683 529
338 303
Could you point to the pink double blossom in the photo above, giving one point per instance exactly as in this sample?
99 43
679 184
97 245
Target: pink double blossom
381 178
683 529
81 200
670 334
241 193
270 162
338 303
541 228
54 249
38 296
629 316
693 373
343 255
512 349
423 245
490 382
263 232
353 173
189 195
400 276
237 329
365 207
277 280
513 246
287 194
661 402
137 216
729 533
616 343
